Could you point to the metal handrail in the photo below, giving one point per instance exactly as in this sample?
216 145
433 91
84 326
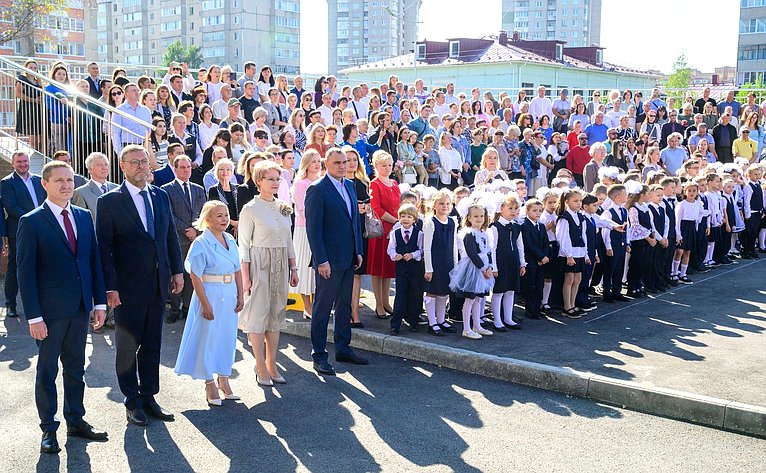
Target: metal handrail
73 92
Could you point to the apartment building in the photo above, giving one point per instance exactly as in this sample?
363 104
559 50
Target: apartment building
578 22
362 31
228 31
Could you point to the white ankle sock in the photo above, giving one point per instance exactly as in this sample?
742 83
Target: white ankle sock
546 291
430 309
674 271
683 270
497 299
709 254
762 238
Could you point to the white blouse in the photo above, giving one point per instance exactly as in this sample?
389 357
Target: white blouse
565 243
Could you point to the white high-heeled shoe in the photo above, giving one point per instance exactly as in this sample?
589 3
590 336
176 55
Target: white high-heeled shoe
215 402
228 397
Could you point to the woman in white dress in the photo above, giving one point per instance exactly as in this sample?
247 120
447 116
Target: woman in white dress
268 266
309 170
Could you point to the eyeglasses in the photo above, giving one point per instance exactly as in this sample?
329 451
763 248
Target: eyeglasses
115 94
136 163
651 116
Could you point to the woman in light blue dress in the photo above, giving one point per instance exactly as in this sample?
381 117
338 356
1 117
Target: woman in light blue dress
210 336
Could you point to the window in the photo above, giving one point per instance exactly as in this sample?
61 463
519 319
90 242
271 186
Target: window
153 45
421 52
191 11
171 11
752 25
215 36
171 26
236 20
217 51
559 51
102 49
133 45
752 3
752 53
135 16
212 4
101 21
102 35
599 57
130 3
214 20
454 48
286 6
288 22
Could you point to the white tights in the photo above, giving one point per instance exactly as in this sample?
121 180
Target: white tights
506 299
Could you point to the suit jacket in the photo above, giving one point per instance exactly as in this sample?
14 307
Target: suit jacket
334 235
96 94
185 212
716 132
535 242
53 280
184 96
134 263
87 195
667 129
16 199
245 193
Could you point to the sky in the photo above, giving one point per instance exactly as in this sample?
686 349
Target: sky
675 28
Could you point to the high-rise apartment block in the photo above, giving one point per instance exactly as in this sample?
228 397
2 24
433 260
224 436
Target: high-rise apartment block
751 51
228 31
578 22
362 31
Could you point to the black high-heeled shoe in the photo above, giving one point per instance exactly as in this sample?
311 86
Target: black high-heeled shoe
382 316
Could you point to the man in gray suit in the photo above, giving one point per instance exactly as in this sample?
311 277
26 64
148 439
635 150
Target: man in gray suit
186 201
87 194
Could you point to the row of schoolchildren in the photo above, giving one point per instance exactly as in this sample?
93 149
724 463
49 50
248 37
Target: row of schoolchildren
646 234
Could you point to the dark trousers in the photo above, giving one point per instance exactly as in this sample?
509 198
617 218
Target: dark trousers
723 246
750 241
614 267
724 154
138 336
582 289
598 268
334 292
65 341
637 263
180 302
533 288
658 266
11 278
408 300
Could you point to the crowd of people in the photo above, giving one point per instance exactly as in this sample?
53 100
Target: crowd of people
237 190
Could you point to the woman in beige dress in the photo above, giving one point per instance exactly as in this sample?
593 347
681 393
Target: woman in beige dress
268 265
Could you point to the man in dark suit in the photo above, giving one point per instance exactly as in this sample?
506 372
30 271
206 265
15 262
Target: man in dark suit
177 93
724 135
60 277
86 196
139 253
21 192
332 225
186 201
93 80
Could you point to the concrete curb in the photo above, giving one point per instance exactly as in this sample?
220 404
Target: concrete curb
680 405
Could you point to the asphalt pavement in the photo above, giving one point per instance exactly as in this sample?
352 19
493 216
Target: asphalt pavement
708 338
393 415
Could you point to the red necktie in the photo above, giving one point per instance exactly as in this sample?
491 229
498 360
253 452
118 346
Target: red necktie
69 231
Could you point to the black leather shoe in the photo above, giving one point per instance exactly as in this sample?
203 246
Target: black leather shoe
351 358
357 325
155 410
393 331
323 367
137 416
11 312
85 430
500 329
621 298
49 444
514 327
172 316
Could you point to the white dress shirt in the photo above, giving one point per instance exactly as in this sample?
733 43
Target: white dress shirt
391 250
60 219
30 188
565 243
494 241
138 201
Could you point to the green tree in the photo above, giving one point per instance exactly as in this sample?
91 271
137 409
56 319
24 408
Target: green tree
680 79
17 18
191 55
758 87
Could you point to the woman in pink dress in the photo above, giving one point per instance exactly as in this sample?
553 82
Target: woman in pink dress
384 199
309 171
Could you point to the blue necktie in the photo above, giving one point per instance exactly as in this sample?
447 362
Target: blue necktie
149 214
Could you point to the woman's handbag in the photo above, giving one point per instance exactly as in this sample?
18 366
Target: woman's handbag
373 227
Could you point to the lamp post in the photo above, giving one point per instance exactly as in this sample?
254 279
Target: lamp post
416 22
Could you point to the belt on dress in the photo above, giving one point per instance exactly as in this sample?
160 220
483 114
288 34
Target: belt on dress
219 278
